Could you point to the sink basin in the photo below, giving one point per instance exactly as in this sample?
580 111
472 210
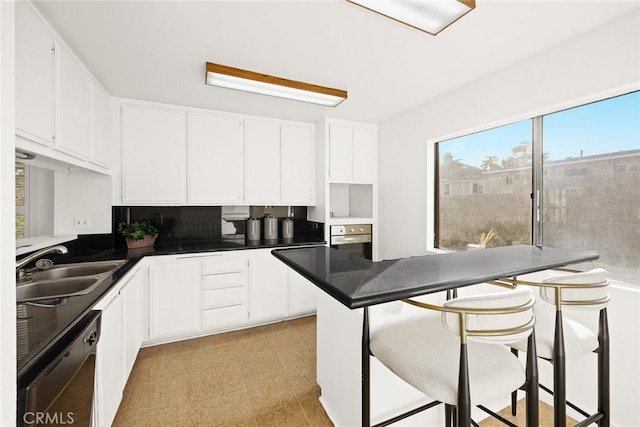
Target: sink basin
47 289
75 270
65 280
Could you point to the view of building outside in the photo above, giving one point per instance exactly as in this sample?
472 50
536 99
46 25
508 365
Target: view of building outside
485 185
591 182
20 200
591 191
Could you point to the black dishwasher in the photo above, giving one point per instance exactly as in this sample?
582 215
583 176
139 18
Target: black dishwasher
59 391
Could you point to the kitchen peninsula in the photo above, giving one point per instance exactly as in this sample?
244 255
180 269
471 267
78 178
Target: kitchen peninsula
353 285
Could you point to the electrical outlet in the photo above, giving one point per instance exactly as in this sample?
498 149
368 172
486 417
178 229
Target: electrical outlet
82 222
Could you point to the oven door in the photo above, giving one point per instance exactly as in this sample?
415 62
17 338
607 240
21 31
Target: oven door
61 391
358 245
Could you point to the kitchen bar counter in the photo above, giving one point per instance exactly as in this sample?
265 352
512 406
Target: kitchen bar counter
355 291
39 327
357 282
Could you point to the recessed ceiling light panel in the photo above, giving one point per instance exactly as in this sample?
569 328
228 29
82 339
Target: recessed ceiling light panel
431 16
250 81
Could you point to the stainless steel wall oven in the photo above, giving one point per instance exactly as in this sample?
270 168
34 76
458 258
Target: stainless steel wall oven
356 239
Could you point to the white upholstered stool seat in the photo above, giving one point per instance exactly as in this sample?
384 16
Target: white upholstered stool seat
578 339
425 354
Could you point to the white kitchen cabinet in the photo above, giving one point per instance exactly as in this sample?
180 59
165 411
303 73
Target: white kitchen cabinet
215 159
110 377
174 298
34 77
302 294
120 339
268 287
224 291
352 153
102 153
74 135
297 166
132 322
340 152
262 162
153 155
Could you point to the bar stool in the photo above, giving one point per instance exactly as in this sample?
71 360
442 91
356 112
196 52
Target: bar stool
559 339
454 358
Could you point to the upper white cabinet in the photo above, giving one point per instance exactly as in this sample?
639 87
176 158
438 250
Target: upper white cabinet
297 165
153 155
75 106
352 153
102 135
262 162
35 77
62 113
215 173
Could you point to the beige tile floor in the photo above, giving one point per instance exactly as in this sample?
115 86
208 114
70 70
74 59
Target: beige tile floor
262 376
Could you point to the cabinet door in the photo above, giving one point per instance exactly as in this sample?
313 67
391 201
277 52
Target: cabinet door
174 300
154 155
262 162
102 147
297 166
75 105
340 152
302 294
215 159
35 81
131 323
364 154
268 288
109 370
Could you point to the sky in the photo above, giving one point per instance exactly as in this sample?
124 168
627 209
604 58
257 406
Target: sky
601 127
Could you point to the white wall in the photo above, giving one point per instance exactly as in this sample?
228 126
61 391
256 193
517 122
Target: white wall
84 194
602 63
7 219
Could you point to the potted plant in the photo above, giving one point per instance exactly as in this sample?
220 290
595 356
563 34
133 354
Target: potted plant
139 234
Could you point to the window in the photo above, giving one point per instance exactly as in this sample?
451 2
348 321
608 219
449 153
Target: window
474 173
21 201
590 196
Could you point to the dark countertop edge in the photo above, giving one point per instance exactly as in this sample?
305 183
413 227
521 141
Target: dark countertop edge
355 302
36 357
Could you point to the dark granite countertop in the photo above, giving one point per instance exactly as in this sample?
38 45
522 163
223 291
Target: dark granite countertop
357 282
40 327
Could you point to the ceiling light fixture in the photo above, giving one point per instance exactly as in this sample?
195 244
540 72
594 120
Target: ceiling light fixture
430 16
235 78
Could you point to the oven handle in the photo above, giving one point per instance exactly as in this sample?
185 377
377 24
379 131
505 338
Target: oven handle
358 238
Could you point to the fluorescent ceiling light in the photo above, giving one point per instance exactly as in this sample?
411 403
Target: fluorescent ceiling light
431 16
235 78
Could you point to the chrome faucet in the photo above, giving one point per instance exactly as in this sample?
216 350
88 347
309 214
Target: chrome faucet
26 260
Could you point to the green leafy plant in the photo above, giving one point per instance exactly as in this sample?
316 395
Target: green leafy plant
137 230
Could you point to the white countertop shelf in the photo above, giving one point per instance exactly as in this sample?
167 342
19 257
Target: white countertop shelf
35 243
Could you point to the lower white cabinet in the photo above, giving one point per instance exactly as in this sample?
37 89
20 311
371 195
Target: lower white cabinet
267 287
224 291
120 339
174 298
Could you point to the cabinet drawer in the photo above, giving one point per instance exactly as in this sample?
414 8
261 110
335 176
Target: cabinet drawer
223 297
227 280
224 316
217 266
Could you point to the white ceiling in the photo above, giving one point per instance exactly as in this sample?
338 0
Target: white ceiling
156 50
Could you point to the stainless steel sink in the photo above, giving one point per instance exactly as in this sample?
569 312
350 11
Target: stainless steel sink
64 280
75 270
48 289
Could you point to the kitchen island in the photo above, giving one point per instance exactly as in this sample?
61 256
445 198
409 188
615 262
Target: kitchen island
359 294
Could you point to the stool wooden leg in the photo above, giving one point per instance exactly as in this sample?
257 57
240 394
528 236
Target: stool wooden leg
464 395
533 400
604 404
559 375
